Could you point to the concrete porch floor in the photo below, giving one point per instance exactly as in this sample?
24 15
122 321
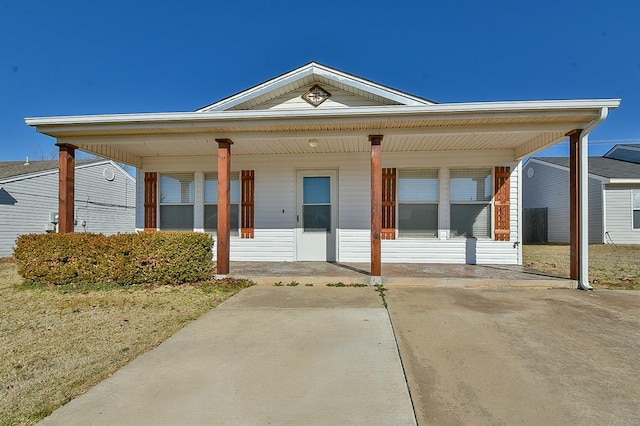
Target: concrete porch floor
409 274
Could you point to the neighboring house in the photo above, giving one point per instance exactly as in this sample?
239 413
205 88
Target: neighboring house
104 199
614 195
327 166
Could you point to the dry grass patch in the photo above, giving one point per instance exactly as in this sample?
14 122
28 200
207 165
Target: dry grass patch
610 265
56 343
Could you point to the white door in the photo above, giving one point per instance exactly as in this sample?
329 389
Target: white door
316 215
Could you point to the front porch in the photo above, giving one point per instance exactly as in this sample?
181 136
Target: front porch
407 274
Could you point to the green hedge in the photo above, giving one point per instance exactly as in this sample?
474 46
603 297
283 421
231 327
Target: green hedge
151 258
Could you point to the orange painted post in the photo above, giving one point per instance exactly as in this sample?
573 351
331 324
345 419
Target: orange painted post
66 188
224 207
376 208
574 203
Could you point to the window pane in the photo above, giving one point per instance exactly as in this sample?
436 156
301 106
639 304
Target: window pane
418 185
211 187
636 199
636 219
176 188
471 185
177 218
470 220
211 218
418 220
316 218
316 190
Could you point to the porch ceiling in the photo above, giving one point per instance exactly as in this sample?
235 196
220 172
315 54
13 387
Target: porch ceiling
523 127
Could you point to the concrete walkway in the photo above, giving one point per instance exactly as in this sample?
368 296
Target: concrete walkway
270 355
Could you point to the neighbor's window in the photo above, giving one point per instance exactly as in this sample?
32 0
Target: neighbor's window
211 202
418 194
636 209
471 203
176 201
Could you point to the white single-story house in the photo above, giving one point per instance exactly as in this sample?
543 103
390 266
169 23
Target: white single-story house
104 201
321 165
614 195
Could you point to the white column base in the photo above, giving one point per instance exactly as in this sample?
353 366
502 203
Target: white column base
221 277
375 281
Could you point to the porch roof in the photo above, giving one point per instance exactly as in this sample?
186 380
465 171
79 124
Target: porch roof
522 127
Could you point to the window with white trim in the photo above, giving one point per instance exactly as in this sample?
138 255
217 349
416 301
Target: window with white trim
176 201
211 202
418 196
470 203
636 208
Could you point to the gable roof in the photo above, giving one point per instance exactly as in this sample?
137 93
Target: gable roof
625 152
15 170
307 75
601 166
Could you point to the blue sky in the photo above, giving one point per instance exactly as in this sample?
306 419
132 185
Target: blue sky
97 57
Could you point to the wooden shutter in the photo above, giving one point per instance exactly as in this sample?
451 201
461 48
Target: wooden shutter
248 206
502 203
388 204
150 201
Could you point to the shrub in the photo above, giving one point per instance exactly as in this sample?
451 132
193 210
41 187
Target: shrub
151 258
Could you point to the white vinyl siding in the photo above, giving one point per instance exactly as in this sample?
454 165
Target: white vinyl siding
177 195
418 193
101 205
275 201
620 214
471 192
549 187
211 202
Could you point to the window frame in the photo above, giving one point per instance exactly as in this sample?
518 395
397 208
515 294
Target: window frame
162 204
635 209
399 202
235 176
489 203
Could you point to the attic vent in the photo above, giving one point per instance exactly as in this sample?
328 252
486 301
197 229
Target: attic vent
316 95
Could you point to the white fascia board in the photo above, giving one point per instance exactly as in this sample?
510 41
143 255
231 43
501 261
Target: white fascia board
320 70
624 181
566 169
461 110
369 86
260 89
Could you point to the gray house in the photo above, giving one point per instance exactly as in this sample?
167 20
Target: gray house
104 199
614 195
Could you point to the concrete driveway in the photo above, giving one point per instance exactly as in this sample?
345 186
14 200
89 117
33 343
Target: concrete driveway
269 355
319 355
519 356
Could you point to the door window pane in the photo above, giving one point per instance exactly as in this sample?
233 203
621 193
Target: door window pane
316 218
316 190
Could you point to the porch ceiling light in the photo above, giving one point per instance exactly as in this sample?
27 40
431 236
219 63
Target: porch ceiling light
313 143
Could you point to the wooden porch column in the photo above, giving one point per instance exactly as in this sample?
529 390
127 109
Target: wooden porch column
66 187
574 203
224 207
376 209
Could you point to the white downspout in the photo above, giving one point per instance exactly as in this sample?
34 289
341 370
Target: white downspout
583 283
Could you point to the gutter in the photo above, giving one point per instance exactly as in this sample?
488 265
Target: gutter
583 282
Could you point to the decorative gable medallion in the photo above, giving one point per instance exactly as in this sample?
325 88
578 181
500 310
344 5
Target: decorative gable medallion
316 95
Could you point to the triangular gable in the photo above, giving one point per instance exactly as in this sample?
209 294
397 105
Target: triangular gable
286 91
